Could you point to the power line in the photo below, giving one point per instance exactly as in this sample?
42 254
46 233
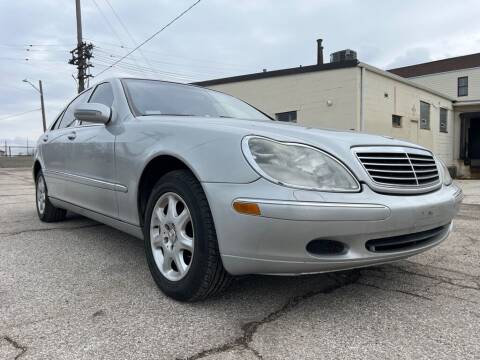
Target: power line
218 69
109 24
125 28
195 60
105 61
17 114
110 60
151 37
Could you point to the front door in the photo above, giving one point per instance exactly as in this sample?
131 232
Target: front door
474 142
56 148
91 161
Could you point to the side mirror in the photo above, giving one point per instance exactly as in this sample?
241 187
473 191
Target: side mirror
93 113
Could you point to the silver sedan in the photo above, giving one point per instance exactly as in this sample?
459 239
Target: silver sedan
216 188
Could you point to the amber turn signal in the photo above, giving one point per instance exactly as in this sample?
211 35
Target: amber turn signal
246 208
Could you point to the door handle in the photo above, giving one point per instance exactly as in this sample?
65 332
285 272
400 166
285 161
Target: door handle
45 138
72 135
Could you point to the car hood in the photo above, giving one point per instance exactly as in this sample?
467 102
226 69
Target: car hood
322 138
227 133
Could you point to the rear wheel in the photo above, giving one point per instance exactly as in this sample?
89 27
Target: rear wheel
180 240
45 210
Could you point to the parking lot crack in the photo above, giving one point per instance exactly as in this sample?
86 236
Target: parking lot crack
395 290
251 328
442 279
12 233
16 345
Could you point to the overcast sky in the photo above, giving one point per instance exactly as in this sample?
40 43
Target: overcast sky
217 38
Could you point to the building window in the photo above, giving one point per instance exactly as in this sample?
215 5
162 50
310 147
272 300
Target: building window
463 86
424 115
443 120
289 116
396 121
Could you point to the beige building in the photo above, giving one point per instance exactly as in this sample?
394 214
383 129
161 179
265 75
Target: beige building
459 78
348 94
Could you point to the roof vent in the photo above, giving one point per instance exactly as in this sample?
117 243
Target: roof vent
343 55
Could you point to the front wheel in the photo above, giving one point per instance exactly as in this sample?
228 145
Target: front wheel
180 240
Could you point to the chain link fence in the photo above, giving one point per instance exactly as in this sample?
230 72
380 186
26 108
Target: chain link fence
16 150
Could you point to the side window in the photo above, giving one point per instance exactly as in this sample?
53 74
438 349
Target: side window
443 120
424 115
462 86
68 118
103 94
289 116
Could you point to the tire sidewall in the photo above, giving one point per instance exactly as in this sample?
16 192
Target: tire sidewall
189 285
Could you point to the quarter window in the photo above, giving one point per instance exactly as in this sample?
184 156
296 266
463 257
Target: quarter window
443 120
424 115
462 86
289 116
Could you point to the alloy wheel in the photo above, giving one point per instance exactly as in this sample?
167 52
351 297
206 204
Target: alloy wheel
41 195
172 236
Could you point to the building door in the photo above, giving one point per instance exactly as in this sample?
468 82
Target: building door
474 142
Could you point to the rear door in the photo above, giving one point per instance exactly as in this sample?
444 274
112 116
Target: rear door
91 160
56 147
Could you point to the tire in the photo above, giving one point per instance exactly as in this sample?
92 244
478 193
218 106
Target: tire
45 210
200 272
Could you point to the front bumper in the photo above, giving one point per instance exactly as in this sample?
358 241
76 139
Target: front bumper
276 241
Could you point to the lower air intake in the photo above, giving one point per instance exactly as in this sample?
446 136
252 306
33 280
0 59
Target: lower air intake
406 242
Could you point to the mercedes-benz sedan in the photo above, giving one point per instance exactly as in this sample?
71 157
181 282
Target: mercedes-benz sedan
217 188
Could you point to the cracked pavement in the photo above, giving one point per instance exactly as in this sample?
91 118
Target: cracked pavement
81 290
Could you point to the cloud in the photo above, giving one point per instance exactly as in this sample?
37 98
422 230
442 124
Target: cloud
411 56
217 38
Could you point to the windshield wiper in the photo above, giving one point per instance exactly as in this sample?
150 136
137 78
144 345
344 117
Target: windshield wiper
163 114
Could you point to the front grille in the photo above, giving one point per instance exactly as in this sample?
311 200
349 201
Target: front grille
400 168
406 242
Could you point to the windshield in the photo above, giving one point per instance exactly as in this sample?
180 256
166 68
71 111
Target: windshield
152 97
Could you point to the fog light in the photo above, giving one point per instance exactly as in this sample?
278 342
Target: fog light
247 208
326 247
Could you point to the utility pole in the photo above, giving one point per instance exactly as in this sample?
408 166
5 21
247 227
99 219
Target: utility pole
82 54
81 59
40 90
42 105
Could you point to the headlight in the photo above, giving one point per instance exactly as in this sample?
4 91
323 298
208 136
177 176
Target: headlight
297 165
447 179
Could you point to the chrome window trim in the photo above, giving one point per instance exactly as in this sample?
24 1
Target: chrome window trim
398 189
251 161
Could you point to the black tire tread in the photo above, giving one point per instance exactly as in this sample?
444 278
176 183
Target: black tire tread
51 213
216 279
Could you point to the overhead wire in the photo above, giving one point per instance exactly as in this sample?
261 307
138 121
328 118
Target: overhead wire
129 34
17 114
151 37
130 66
109 24
214 73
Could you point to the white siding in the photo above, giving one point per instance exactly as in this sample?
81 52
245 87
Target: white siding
447 83
308 93
385 96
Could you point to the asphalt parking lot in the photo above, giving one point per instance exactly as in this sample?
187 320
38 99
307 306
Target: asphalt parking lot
82 290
